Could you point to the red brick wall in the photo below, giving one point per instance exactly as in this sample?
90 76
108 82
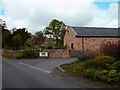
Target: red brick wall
90 43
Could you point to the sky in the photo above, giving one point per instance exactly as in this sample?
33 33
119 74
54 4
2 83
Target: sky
35 15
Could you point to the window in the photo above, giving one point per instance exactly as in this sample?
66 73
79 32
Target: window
67 31
71 45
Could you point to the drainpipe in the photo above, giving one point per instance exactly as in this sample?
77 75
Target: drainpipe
83 45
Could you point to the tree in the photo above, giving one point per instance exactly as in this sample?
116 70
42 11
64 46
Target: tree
56 30
6 38
17 39
21 35
49 44
39 37
30 44
6 35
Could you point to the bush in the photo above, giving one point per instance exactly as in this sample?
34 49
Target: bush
74 68
112 73
110 76
111 49
101 75
116 66
78 68
89 73
90 64
104 59
103 62
27 54
83 58
19 56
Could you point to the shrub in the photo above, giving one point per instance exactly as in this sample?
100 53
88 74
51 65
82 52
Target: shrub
116 66
77 68
110 76
27 54
101 75
112 73
19 56
89 73
83 58
111 49
74 68
105 72
90 64
103 62
114 81
104 59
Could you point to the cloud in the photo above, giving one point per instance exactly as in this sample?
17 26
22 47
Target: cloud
108 18
36 14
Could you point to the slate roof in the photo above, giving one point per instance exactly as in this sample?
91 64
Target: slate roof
96 31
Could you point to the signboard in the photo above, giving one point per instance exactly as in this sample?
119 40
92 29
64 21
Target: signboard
43 54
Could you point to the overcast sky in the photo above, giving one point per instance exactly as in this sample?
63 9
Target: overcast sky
35 15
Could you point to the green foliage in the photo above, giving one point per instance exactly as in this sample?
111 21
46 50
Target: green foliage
27 54
14 40
83 58
105 72
73 68
90 64
17 41
60 46
77 68
30 50
101 68
88 73
104 62
6 39
49 44
56 30
104 59
19 56
112 73
110 77
116 66
39 38
30 42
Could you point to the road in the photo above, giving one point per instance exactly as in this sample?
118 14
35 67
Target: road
0 72
32 73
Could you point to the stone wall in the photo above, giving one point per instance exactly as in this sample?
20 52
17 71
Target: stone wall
63 53
93 44
58 53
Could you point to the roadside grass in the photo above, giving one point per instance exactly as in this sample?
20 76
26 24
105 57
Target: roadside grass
103 69
9 56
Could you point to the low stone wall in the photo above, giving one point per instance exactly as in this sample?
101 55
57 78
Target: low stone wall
58 53
0 52
61 53
10 52
75 53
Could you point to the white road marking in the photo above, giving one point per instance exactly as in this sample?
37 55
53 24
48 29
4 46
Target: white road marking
34 67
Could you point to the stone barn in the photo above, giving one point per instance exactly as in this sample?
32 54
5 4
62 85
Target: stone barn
89 38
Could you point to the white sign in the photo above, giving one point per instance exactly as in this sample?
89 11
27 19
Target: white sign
43 54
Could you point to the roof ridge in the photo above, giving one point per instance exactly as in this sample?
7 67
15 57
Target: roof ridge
96 31
94 27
